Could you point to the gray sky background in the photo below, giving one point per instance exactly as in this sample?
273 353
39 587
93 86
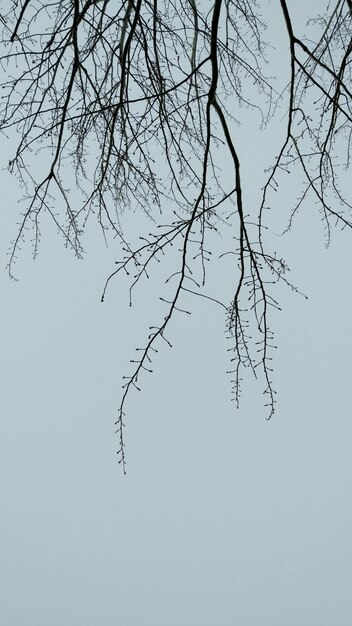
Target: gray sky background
223 518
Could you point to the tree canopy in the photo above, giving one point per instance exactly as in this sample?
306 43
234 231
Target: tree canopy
134 104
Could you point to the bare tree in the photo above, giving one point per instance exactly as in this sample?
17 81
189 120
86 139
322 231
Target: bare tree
157 86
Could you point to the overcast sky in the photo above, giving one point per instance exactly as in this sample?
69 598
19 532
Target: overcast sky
223 518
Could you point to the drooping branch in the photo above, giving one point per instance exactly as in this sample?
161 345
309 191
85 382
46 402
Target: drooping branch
314 125
123 105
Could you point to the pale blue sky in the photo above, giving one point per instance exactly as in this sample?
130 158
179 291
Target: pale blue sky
223 518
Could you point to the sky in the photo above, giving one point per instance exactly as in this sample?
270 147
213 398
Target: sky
223 517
